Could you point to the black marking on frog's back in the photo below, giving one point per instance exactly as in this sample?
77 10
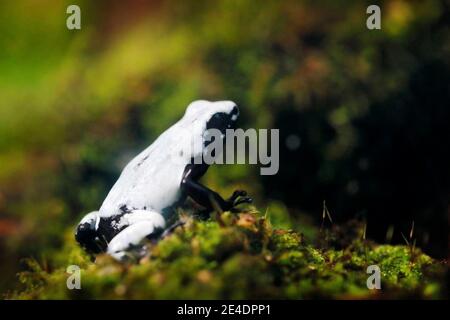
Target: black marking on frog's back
142 161
124 209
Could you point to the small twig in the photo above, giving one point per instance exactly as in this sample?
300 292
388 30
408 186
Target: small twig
364 231
266 213
411 233
404 238
321 225
413 247
327 212
364 240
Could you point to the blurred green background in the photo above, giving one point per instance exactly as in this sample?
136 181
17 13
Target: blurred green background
369 109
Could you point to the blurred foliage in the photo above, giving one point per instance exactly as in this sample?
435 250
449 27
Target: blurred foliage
242 257
369 108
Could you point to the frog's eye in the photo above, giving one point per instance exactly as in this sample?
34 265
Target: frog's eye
219 121
234 114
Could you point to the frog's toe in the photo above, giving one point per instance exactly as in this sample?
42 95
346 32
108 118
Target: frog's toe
172 228
236 194
243 200
239 200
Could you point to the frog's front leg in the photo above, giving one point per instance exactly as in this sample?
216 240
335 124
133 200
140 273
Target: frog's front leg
208 198
137 224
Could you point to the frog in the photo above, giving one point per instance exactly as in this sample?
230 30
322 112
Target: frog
158 181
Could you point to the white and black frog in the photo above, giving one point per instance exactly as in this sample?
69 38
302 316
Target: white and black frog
151 185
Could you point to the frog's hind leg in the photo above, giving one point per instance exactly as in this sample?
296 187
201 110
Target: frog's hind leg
136 226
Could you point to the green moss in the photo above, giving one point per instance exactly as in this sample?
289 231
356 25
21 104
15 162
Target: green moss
243 256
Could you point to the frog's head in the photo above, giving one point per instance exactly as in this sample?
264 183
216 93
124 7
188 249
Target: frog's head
220 115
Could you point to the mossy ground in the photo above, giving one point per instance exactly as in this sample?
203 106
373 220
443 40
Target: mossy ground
242 256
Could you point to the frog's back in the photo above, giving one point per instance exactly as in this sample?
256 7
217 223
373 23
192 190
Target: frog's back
152 179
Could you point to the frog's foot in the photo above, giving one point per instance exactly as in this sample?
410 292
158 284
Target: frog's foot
238 197
138 225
